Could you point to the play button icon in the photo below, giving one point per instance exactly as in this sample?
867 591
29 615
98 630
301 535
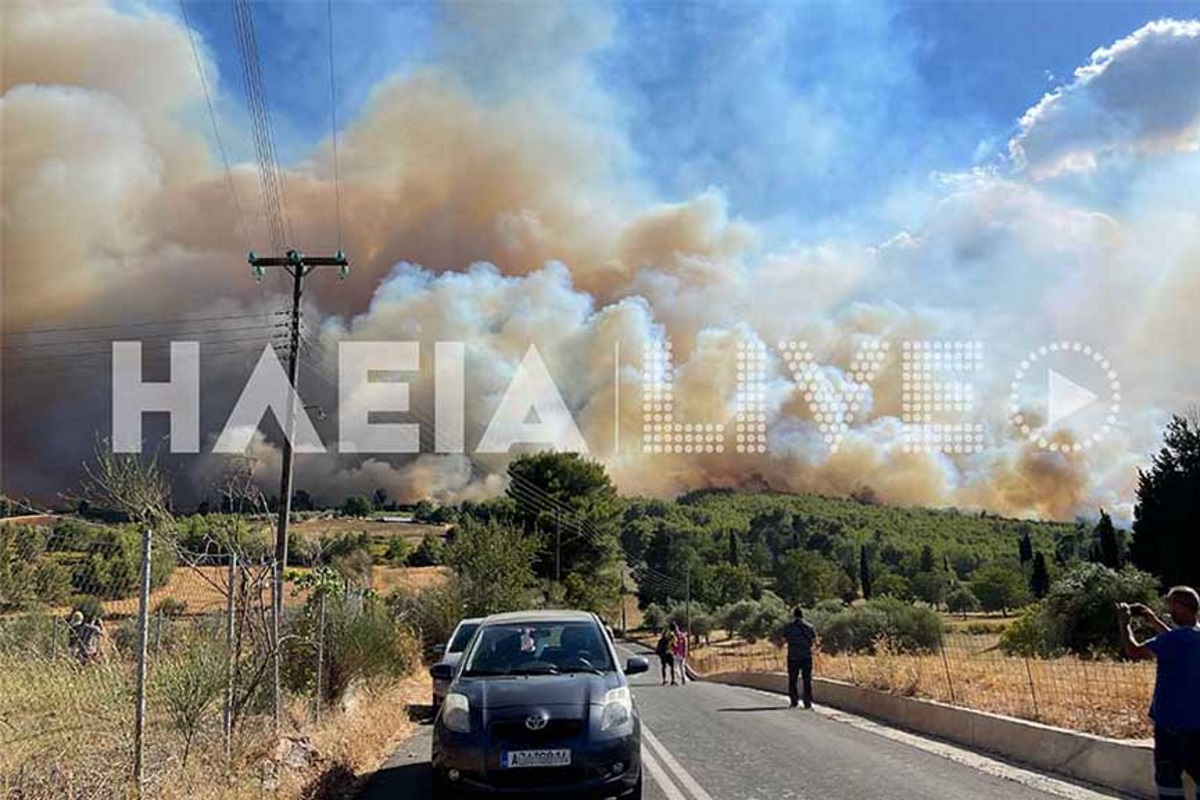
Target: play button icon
1057 413
1065 397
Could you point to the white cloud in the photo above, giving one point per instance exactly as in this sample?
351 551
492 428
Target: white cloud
1138 96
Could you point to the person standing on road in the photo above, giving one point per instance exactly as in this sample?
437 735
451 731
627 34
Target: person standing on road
666 653
800 636
1176 705
681 654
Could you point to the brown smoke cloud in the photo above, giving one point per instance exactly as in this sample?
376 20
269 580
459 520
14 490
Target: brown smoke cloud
514 160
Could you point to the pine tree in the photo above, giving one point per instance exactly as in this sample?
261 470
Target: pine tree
1165 541
1026 548
864 572
1106 548
927 559
1039 580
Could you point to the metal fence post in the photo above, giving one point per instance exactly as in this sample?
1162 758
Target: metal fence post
1032 693
139 722
230 658
949 680
276 641
54 638
320 655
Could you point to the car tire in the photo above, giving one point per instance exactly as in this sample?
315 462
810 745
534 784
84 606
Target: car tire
442 790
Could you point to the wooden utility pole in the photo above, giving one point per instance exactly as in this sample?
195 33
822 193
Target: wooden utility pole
297 265
688 602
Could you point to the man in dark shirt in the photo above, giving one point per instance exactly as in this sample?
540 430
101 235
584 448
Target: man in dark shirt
1176 705
800 636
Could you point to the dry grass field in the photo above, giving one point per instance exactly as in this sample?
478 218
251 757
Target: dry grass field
201 588
66 731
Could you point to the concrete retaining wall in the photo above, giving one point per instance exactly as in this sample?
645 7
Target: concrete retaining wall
1121 766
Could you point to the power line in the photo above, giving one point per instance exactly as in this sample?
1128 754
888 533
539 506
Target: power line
274 195
176 335
237 207
76 352
337 184
57 367
146 324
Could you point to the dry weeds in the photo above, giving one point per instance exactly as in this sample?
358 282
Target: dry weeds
65 732
1107 698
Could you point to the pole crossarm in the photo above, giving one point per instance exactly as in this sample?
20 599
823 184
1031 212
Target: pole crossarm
295 261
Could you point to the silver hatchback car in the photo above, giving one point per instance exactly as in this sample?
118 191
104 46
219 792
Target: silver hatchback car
450 653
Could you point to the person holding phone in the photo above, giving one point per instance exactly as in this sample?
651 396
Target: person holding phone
1175 708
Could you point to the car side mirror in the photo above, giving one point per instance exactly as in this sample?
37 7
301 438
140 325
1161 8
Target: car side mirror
439 650
443 672
636 666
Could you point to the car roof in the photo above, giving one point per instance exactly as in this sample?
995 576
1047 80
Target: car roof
540 617
471 621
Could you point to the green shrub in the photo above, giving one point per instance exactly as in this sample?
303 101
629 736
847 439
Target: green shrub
1080 611
189 687
767 623
362 642
429 553
702 625
985 628
654 618
1001 587
734 618
854 630
430 614
397 551
1027 636
908 628
357 506
170 607
961 600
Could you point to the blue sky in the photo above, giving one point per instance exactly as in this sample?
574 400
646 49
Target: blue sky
801 113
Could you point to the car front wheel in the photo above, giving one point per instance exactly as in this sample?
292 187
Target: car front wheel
636 792
442 790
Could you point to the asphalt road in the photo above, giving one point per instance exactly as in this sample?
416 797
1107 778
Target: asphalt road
713 742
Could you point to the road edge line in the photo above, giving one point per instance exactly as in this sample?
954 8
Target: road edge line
681 774
659 775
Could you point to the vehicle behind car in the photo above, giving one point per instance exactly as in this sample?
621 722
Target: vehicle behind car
539 706
450 654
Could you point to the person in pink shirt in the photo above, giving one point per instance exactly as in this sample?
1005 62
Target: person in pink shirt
681 653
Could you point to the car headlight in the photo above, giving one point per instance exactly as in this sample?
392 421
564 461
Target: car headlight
618 709
456 713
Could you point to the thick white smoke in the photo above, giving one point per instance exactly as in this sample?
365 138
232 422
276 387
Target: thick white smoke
495 197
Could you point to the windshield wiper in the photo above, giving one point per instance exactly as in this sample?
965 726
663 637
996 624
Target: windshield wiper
592 670
479 673
536 671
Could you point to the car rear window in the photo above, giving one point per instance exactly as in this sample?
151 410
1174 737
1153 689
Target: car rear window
462 637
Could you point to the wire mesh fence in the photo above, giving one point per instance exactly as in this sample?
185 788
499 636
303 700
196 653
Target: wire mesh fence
73 626
1104 697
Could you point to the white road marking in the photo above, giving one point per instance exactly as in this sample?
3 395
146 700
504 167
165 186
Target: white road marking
681 774
660 776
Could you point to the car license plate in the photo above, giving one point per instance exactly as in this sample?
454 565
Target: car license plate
535 758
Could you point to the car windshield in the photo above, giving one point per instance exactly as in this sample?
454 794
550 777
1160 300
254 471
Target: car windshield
528 649
462 637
